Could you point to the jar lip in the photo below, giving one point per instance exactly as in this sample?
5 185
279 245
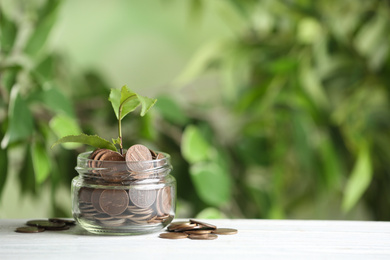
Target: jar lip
161 162
122 171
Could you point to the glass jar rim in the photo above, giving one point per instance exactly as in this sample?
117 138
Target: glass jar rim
113 171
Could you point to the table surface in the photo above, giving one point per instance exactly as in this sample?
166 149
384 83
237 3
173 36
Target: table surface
256 239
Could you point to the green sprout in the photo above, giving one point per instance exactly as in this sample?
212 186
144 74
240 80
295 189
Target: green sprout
123 102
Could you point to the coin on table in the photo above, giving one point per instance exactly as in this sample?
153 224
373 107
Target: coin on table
29 229
46 224
203 224
224 231
203 236
142 198
177 227
66 221
173 235
113 202
198 232
135 157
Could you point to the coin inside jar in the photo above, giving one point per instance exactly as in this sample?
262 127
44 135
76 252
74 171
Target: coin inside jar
142 198
113 202
135 157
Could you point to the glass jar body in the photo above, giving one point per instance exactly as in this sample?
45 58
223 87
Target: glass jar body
110 198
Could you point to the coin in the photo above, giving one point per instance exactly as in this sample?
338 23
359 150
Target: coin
46 224
142 198
85 194
113 202
198 232
172 235
203 237
225 231
94 153
95 198
138 153
181 227
66 221
111 156
29 229
160 160
66 227
203 224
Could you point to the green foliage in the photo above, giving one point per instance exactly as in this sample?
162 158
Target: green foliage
299 128
92 140
304 86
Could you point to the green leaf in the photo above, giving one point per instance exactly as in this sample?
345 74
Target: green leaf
8 32
128 101
26 176
92 140
194 147
146 103
40 34
4 169
125 98
41 162
116 141
212 183
63 125
359 180
21 123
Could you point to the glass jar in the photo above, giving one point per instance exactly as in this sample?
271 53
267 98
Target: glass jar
123 198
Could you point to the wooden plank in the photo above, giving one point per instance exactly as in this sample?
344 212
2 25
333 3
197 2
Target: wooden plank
256 239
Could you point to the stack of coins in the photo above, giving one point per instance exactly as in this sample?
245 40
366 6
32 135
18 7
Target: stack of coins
195 229
115 194
40 225
119 207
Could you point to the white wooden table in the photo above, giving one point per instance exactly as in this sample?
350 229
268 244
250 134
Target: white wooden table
256 239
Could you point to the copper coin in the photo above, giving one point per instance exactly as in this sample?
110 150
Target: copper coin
94 153
198 232
160 160
85 194
183 227
114 202
203 237
100 153
113 172
142 198
166 200
66 227
203 224
172 235
46 224
225 231
95 198
138 153
66 221
29 229
111 156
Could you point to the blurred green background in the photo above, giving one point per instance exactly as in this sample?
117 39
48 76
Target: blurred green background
269 108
